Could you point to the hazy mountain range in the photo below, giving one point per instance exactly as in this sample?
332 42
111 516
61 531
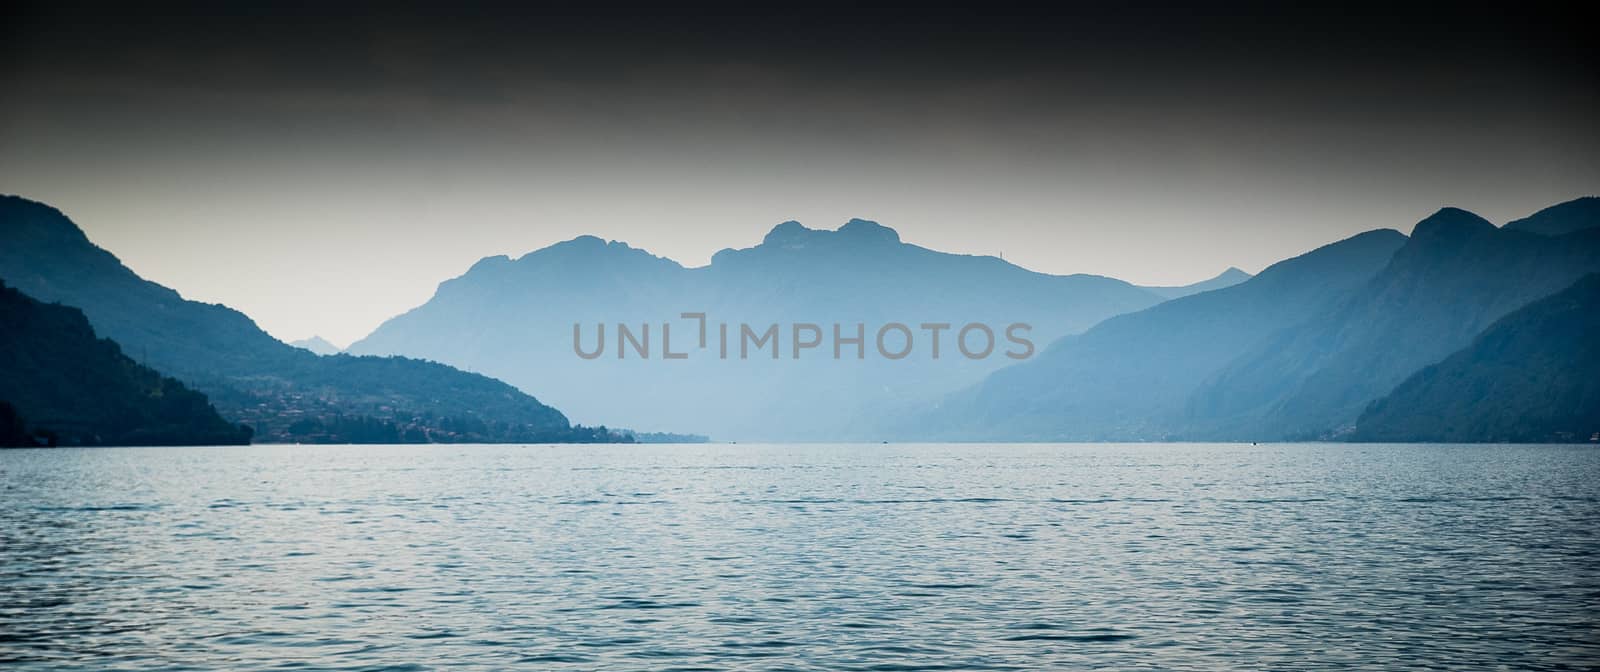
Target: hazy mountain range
1462 331
513 319
1130 378
1296 352
1531 376
1455 276
284 392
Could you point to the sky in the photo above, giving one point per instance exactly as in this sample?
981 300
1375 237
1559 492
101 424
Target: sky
323 166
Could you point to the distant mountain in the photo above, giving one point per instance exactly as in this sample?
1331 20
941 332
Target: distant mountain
1534 375
514 319
1130 377
316 344
1559 220
1455 276
60 384
1228 278
284 392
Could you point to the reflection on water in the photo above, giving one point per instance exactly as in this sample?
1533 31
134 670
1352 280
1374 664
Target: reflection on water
801 557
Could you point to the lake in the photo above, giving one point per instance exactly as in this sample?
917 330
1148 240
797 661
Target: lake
788 557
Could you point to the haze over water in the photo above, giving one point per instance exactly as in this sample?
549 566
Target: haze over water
875 557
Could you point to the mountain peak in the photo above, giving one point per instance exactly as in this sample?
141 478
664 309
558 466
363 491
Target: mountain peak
316 344
793 234
29 220
787 232
584 242
581 247
576 257
1450 222
866 229
1227 278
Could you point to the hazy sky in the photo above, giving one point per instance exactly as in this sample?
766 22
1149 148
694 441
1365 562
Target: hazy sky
323 170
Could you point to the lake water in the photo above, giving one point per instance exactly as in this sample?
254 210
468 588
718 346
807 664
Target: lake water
744 557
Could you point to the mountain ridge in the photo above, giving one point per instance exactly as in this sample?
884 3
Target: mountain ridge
62 384
286 393
860 273
1229 277
1562 218
1129 377
1532 375
1456 275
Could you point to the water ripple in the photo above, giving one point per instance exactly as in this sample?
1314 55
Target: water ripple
980 557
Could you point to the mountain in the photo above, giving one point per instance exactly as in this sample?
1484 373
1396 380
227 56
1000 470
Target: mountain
515 319
317 345
1130 377
1561 219
1534 375
1455 276
284 392
1228 278
62 385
